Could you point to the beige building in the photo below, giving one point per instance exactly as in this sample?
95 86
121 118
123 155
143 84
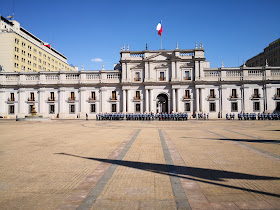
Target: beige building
270 54
20 50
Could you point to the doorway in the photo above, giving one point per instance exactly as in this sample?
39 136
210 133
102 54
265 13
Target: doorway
162 103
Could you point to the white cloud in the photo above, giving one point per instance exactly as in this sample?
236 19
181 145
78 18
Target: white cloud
97 60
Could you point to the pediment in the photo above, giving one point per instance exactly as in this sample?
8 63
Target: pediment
162 66
138 66
186 65
161 56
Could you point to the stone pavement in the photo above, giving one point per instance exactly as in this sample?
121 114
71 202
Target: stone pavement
76 164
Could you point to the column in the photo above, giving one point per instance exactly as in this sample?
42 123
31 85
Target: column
61 103
197 99
173 100
83 102
178 100
173 73
176 70
202 90
151 101
196 67
123 72
42 102
3 98
129 104
102 100
124 101
146 100
21 102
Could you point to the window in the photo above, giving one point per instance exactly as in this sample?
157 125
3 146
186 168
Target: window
114 108
72 108
161 77
234 107
72 96
52 109
212 93
137 95
114 95
12 96
30 108
137 76
40 53
52 96
278 92
93 95
92 108
23 44
187 93
11 109
256 93
138 107
233 93
256 106
32 96
212 107
187 75
188 107
278 106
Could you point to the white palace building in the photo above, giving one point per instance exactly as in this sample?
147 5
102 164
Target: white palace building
143 81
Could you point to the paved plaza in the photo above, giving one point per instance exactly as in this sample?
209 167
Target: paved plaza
79 164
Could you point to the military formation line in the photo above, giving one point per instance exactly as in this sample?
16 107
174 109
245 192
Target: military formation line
184 116
148 116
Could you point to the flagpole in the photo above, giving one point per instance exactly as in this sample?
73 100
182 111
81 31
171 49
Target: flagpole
161 35
161 42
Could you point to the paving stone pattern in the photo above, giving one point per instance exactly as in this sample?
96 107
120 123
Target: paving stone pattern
76 164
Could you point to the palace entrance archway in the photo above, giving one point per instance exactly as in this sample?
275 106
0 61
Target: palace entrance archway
162 103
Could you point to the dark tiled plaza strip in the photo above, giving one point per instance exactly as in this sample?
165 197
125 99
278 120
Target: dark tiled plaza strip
170 165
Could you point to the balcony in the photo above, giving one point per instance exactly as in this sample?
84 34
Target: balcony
233 97
136 98
255 96
161 79
137 79
11 99
31 99
71 99
92 99
113 98
276 97
211 97
187 78
186 98
51 98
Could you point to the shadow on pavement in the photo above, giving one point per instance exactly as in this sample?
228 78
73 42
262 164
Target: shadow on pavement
244 140
191 173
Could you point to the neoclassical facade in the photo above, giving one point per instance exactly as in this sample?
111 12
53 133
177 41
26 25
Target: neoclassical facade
143 81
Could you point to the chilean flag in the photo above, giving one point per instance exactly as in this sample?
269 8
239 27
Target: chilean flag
47 45
159 28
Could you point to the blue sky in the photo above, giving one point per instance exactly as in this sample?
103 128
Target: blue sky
87 29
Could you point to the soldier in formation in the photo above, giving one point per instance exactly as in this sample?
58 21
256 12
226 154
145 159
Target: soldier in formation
144 116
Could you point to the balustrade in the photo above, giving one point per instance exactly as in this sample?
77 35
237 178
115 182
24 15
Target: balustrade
93 76
211 73
72 76
255 73
52 77
31 77
137 55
